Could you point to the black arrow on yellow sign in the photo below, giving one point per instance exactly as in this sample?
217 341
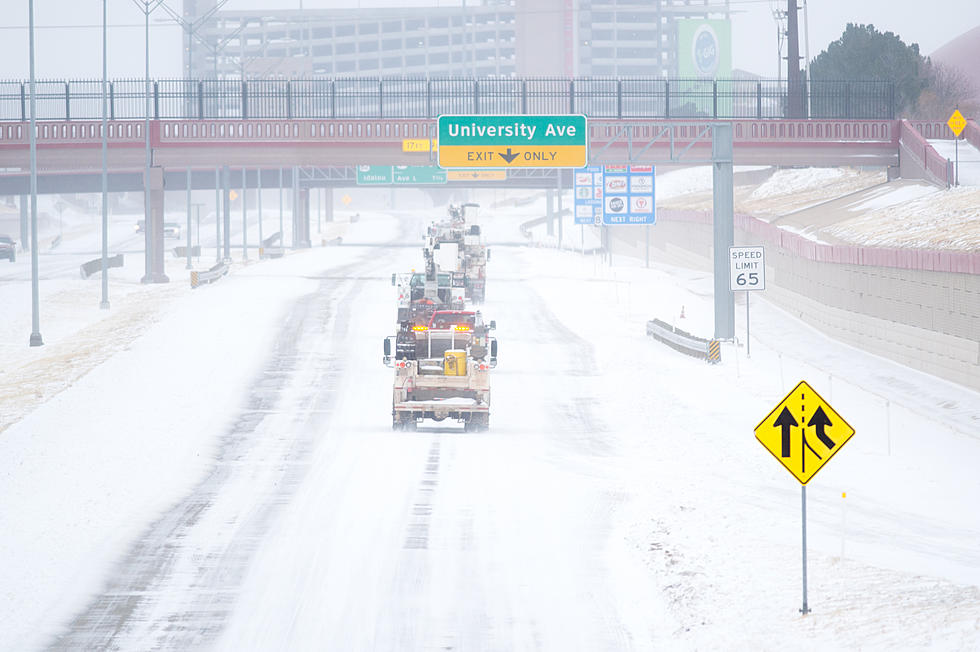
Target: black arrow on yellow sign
786 421
509 156
819 420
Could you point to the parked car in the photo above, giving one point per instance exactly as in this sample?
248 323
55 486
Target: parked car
8 248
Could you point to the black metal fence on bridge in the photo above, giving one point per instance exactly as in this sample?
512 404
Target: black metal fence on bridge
323 98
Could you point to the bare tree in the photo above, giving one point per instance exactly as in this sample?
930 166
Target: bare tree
947 88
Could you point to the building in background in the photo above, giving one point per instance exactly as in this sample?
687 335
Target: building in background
502 38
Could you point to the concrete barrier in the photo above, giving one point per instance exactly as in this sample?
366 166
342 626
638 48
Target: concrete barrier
93 266
267 250
684 342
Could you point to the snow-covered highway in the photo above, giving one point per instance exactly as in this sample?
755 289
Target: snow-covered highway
230 479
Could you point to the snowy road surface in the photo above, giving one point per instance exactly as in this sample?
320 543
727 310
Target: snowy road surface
231 480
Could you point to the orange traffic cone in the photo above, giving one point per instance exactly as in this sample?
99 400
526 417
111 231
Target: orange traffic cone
682 312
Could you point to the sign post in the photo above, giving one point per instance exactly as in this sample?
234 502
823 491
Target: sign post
956 124
747 273
784 433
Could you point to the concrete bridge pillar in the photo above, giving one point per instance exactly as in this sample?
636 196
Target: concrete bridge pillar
328 204
155 265
301 215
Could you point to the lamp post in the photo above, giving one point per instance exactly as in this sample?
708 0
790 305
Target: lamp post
104 304
36 339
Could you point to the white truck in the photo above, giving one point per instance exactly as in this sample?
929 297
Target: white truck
448 377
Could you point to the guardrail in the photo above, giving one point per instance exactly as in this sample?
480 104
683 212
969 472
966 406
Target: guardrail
266 250
210 276
93 266
684 342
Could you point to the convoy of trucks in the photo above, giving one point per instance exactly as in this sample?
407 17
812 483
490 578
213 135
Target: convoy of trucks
443 350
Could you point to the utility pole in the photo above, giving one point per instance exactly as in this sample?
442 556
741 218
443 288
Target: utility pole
794 81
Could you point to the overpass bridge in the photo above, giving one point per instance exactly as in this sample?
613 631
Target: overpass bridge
317 130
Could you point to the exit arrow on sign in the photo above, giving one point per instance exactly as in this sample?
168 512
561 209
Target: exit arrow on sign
509 157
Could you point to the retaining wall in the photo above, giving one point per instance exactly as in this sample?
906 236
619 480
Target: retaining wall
919 308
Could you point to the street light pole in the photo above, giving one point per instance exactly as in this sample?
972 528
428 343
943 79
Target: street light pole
36 339
104 305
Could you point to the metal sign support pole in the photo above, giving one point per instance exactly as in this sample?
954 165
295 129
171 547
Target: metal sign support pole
259 197
559 209
805 610
748 342
244 214
956 145
647 234
189 232
226 198
724 228
281 236
217 215
582 227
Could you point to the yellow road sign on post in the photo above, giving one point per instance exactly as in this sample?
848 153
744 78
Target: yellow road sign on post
417 145
803 432
346 199
956 123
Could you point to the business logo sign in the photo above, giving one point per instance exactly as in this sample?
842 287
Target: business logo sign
628 194
588 195
704 49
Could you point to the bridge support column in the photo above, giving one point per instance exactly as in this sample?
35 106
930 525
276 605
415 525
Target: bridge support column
724 228
301 220
155 263
550 210
301 213
328 204
25 233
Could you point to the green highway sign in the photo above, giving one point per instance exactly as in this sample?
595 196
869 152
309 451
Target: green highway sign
373 175
419 174
411 175
513 141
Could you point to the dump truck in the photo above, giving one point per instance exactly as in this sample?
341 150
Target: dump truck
449 375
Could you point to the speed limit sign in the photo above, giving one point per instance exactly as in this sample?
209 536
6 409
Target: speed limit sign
747 268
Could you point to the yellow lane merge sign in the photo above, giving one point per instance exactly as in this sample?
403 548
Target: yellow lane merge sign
956 123
346 199
477 175
232 195
513 141
803 432
417 145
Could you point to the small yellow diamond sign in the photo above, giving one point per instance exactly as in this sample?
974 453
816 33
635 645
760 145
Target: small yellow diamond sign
956 123
232 195
346 199
803 432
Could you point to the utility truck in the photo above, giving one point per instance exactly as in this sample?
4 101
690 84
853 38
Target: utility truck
447 376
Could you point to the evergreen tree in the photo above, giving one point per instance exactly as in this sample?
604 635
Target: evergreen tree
862 53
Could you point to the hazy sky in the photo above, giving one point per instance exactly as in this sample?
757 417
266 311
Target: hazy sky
69 41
